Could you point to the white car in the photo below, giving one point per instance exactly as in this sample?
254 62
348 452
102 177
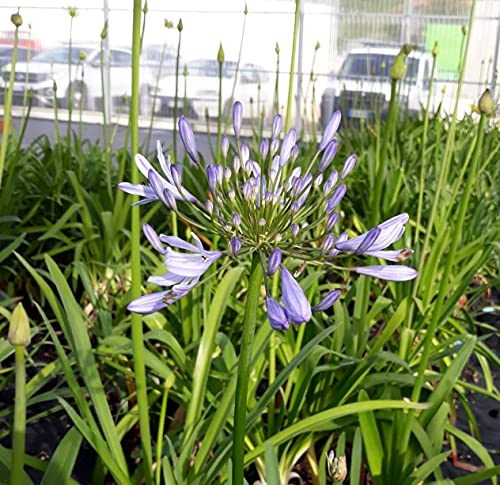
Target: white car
52 66
362 88
202 89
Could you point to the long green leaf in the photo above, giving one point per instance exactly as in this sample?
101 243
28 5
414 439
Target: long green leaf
63 460
372 442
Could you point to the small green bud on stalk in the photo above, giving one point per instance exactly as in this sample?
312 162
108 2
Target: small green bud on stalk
180 26
317 46
464 30
245 11
104 31
398 69
486 103
277 48
83 55
19 328
220 54
16 19
73 12
168 24
435 49
145 8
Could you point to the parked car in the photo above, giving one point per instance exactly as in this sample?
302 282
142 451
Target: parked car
22 54
362 87
53 65
202 88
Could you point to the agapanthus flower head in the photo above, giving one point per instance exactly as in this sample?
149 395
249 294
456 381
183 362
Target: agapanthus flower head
264 201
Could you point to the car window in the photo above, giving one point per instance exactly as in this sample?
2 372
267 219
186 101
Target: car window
375 65
60 55
210 68
121 58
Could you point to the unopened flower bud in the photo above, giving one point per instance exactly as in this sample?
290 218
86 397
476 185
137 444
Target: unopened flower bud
294 153
398 68
264 148
104 31
73 12
274 261
486 103
180 26
317 46
83 55
328 243
19 328
187 138
327 302
275 144
277 48
245 153
224 146
435 49
236 245
331 221
294 228
209 205
328 155
277 126
16 19
237 118
170 200
236 219
231 194
245 10
220 54
168 24
349 165
236 164
330 129
145 9
276 314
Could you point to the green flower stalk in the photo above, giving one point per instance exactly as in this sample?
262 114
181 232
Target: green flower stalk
17 20
423 166
137 331
227 114
276 101
73 12
220 61
288 118
19 337
180 27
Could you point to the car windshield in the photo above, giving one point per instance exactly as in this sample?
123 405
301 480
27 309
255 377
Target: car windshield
375 65
60 55
210 68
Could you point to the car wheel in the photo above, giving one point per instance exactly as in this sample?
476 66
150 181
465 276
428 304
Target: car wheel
145 101
79 97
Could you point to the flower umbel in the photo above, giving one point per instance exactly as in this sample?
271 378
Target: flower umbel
262 202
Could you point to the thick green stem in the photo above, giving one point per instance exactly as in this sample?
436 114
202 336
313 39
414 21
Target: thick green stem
423 165
292 66
176 98
383 155
8 105
70 81
19 435
240 407
137 331
219 117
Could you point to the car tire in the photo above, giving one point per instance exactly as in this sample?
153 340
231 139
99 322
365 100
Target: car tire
80 97
145 101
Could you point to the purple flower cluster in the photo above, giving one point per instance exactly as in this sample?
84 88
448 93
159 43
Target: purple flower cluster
263 204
